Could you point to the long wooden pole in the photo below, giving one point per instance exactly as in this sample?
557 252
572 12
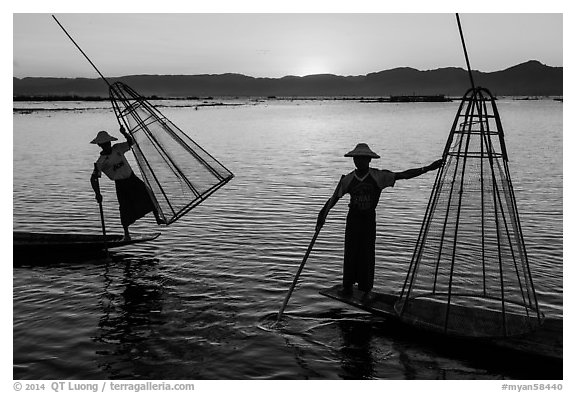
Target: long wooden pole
96 187
297 275
465 51
81 51
103 227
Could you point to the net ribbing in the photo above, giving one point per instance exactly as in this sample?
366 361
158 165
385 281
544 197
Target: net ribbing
179 173
469 273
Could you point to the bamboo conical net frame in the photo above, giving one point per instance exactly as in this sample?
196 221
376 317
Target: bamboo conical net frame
469 273
179 173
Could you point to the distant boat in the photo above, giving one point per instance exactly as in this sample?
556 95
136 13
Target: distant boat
33 244
415 98
409 98
528 99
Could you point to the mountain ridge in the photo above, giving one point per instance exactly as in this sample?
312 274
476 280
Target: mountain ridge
530 78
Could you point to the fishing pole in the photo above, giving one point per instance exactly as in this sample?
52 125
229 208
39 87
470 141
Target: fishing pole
465 51
81 51
87 58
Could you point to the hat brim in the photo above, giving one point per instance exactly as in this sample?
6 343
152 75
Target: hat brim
358 154
97 141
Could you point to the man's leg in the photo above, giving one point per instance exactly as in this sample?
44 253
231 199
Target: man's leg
350 251
368 254
126 233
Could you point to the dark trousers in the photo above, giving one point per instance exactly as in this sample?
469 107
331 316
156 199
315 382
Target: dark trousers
359 249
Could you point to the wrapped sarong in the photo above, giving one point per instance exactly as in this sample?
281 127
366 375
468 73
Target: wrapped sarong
359 249
133 198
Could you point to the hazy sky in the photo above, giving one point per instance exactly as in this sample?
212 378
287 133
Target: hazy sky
278 44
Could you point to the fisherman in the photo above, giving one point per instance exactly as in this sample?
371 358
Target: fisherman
133 196
364 185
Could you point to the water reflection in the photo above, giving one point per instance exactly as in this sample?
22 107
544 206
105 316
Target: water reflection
356 351
131 304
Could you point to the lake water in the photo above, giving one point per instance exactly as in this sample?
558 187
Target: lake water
197 303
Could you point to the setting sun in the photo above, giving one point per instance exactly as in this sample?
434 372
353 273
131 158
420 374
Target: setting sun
312 67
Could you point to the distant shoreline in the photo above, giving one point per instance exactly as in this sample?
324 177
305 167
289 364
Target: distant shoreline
394 98
366 99
217 101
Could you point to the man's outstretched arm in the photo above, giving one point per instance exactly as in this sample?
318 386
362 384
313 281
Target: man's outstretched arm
411 173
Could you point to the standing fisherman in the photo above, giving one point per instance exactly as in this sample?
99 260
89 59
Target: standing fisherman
364 185
132 193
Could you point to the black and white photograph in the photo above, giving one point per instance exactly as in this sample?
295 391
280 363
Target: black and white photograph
262 196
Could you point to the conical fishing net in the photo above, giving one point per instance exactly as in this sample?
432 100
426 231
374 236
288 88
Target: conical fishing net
179 173
469 273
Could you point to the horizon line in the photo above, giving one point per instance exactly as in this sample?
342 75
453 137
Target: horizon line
292 76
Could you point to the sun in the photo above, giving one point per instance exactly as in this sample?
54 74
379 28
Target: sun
312 67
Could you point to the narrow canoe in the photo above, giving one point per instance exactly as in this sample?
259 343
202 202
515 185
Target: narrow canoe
542 348
49 244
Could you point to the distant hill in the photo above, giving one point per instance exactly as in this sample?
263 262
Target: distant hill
527 79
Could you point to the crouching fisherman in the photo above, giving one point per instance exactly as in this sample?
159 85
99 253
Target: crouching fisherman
133 194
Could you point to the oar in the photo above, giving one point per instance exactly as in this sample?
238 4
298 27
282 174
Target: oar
103 226
96 187
297 275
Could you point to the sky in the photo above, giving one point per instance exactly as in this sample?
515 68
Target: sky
278 44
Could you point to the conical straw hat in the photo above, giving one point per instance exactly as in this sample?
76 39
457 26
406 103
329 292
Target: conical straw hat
362 150
103 137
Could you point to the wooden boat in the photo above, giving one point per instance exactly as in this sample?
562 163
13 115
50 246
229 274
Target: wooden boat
61 244
542 347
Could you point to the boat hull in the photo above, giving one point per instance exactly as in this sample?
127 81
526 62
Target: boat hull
541 348
34 244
